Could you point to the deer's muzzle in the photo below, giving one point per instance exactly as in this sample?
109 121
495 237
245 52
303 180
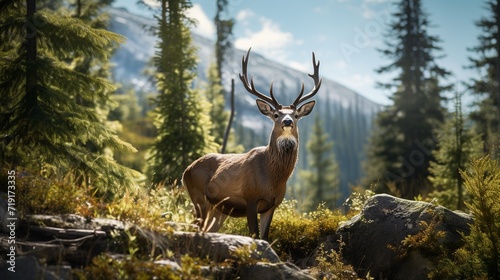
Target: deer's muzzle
287 122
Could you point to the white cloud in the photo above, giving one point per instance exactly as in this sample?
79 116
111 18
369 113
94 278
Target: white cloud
204 25
373 8
376 1
152 3
340 65
269 36
303 67
269 39
244 14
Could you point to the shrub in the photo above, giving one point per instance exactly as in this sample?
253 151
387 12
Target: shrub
38 195
479 258
330 266
151 209
107 267
296 235
483 183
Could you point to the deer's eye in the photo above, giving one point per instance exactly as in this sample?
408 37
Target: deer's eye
276 115
296 116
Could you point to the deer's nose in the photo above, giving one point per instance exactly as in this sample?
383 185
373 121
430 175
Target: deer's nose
287 121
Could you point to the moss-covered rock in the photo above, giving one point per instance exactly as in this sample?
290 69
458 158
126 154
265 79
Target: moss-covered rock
394 238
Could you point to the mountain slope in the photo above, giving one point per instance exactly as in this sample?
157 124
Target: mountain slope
347 116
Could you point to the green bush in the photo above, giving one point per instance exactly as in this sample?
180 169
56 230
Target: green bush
38 195
295 235
479 258
106 267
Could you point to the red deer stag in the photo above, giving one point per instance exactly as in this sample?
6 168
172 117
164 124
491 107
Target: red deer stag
242 185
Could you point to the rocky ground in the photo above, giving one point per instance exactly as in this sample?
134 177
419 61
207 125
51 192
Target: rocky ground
377 241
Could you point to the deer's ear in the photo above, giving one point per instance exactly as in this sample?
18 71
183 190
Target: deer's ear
264 108
306 108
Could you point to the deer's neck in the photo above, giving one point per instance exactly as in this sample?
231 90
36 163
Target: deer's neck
282 155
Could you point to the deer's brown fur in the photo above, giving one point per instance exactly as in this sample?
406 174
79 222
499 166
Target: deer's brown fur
246 184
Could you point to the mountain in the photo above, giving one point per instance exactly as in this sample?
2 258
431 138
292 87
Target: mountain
347 116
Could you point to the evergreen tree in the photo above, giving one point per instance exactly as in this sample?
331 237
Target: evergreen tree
321 182
181 115
400 148
224 34
92 12
484 240
215 96
457 146
43 125
216 93
487 116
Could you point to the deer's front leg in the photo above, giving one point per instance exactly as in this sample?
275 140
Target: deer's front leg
253 225
265 222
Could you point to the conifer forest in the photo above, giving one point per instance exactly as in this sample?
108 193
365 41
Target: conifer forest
94 144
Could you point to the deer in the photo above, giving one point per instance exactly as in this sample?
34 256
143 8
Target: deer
252 183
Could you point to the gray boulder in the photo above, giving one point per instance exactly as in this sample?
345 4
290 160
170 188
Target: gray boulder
56 243
371 241
219 247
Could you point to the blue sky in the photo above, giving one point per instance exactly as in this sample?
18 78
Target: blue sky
344 34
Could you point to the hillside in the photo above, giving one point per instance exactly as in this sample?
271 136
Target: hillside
346 115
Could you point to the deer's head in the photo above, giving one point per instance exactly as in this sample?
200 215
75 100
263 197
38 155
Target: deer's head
285 132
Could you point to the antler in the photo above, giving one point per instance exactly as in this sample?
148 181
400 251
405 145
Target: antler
250 86
317 84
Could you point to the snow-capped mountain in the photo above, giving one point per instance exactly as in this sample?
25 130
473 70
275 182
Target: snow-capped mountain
346 115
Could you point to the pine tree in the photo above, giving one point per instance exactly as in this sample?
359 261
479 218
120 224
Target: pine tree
44 127
224 27
321 182
484 240
457 146
400 148
181 115
215 96
215 92
487 116
219 117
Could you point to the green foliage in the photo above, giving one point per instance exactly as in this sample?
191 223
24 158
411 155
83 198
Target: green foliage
214 94
107 267
396 155
141 134
296 235
483 184
44 196
181 115
457 144
224 27
245 254
320 183
427 241
127 106
479 257
150 209
486 59
347 127
330 266
463 264
357 200
52 118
